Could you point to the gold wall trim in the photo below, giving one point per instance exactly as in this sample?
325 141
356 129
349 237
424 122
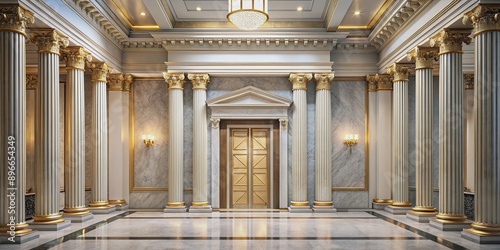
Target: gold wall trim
379 13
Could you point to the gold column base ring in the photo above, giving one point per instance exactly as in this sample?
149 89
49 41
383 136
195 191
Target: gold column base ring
175 204
117 202
76 210
451 218
423 209
199 203
323 203
47 219
20 229
484 229
401 204
299 203
99 204
382 200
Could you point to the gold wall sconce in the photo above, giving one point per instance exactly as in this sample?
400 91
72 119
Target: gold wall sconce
149 140
350 140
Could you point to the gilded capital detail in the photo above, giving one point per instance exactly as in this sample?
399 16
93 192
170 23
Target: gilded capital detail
451 40
127 80
323 80
299 80
484 18
31 81
469 81
424 57
399 73
174 80
15 18
99 70
48 40
199 81
384 81
372 83
75 57
119 82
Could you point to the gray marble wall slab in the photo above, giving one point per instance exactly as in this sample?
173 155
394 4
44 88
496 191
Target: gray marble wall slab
350 199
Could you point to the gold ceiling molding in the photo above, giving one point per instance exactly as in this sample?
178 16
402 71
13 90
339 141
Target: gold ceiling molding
15 18
424 57
242 42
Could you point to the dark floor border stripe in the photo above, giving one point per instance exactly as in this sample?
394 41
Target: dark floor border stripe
424 234
246 238
254 217
80 232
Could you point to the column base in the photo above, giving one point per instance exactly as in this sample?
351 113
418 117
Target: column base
8 239
200 209
380 205
324 209
299 209
121 205
103 210
397 210
175 209
420 217
449 225
480 237
78 218
50 227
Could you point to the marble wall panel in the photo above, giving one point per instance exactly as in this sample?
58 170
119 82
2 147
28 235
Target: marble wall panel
188 135
351 199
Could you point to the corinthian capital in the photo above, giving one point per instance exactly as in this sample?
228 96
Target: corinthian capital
75 57
384 82
372 83
14 18
99 70
398 72
299 80
484 18
450 41
424 57
199 81
174 80
119 82
48 40
323 80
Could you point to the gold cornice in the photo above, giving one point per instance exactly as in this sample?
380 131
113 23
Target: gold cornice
99 71
372 83
451 40
398 72
199 81
75 57
48 40
15 18
384 82
299 80
323 80
174 80
424 57
469 81
31 81
484 18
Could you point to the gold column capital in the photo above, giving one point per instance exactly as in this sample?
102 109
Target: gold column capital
119 82
324 80
199 81
31 81
48 40
384 81
127 80
398 72
372 83
99 71
450 40
485 17
75 57
469 81
299 80
424 57
15 18
174 80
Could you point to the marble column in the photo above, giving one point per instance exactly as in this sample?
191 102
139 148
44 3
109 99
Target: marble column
400 198
99 130
200 146
451 187
486 21
47 139
299 143
175 203
372 135
424 58
470 138
13 227
323 167
384 141
74 146
118 136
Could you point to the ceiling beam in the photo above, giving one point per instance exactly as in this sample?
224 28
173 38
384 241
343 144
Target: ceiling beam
160 13
336 13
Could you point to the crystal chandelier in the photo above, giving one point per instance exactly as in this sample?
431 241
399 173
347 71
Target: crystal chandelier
248 14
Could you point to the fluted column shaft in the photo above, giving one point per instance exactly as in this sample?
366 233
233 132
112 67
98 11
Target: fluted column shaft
200 150
47 137
323 167
486 22
176 140
74 146
299 139
99 132
400 136
13 118
451 186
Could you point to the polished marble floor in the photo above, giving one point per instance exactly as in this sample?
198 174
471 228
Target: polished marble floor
250 230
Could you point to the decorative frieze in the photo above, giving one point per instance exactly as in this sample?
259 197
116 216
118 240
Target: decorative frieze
398 72
199 81
99 70
75 57
15 18
299 80
484 18
324 80
48 40
424 57
31 81
174 80
469 81
451 40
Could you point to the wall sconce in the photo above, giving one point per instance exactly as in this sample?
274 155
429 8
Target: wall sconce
350 140
149 140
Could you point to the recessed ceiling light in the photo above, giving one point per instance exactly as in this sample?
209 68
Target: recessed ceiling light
198 8
143 13
357 13
299 8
